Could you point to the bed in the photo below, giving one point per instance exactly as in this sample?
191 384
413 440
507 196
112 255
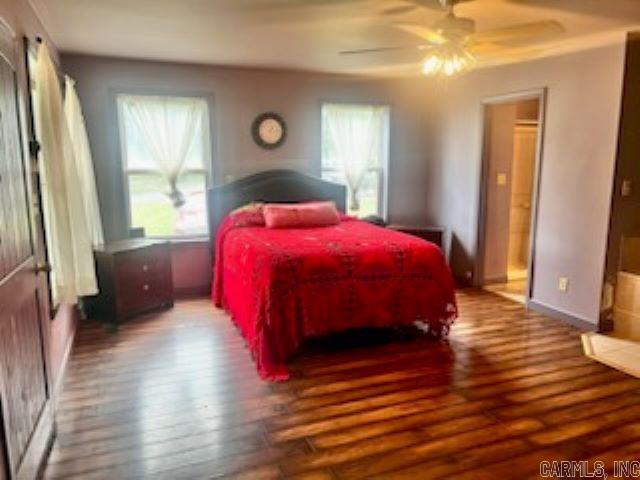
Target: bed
283 286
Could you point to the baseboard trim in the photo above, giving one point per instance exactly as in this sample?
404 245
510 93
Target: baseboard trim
190 292
494 280
67 354
565 317
39 446
462 281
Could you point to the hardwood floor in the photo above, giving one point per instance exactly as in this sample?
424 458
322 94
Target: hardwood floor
175 395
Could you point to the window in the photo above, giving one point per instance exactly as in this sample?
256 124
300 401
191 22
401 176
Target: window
355 152
166 158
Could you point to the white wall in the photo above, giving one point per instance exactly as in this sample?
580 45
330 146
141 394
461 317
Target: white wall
241 94
582 116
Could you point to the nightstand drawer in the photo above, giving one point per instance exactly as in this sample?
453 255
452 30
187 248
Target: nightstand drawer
143 296
132 269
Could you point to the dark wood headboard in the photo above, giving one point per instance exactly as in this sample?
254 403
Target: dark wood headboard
274 186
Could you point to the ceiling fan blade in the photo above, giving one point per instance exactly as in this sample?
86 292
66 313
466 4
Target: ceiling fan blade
494 51
613 9
379 49
400 10
412 5
303 3
518 32
428 34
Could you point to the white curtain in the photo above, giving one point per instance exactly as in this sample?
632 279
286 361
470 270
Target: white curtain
84 162
167 127
355 133
68 237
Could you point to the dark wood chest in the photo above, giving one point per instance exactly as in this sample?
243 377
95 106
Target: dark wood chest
430 234
134 276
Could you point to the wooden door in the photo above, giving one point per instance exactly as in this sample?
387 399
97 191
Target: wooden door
27 418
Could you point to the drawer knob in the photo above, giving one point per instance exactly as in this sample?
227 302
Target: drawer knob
145 267
145 287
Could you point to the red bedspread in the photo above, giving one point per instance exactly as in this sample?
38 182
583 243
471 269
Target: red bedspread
282 286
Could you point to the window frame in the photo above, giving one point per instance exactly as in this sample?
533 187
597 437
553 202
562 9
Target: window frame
383 170
207 169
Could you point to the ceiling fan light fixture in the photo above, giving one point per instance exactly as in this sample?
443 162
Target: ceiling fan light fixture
432 64
447 61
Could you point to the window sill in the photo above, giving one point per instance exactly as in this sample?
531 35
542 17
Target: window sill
186 240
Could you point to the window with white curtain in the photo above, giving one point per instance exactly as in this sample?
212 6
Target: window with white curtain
355 152
166 154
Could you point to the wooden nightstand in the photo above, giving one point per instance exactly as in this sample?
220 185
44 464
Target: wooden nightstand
431 234
134 276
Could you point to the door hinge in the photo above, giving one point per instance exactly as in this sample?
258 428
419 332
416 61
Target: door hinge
34 148
43 267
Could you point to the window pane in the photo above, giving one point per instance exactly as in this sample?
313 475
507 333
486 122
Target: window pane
367 195
192 216
138 154
334 176
152 209
197 156
355 146
149 206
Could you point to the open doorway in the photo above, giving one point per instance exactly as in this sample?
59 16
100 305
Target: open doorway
618 342
511 157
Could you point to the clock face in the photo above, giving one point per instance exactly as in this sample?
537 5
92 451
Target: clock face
269 130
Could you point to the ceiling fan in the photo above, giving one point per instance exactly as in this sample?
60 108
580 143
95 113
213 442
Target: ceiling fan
452 45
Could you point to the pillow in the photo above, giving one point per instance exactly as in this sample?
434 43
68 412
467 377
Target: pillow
311 214
249 207
249 215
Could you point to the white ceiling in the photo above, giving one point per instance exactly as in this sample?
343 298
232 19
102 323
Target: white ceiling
305 34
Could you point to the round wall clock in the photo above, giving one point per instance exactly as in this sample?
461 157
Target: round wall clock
269 130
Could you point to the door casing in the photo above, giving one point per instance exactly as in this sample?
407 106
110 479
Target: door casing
539 94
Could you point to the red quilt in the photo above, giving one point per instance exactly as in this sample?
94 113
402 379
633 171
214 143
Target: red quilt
282 286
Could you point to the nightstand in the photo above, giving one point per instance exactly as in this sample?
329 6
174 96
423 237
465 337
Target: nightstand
431 234
134 276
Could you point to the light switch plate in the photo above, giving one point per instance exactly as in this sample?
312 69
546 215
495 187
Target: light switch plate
563 284
501 179
626 189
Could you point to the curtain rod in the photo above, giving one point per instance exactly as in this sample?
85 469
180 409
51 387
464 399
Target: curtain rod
40 41
61 73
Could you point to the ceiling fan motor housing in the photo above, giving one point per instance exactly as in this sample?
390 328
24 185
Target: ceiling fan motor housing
452 26
448 4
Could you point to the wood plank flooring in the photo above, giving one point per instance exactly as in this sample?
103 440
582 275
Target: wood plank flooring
175 395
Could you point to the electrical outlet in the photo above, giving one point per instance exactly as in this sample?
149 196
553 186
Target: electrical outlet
563 284
501 179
